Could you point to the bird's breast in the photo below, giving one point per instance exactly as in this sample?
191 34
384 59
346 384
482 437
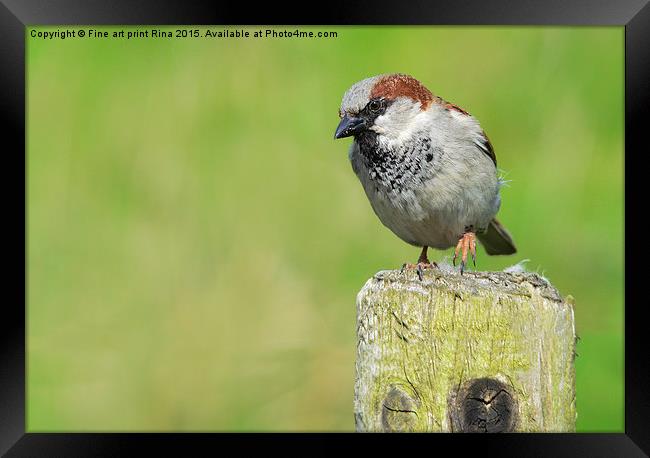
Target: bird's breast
427 194
399 169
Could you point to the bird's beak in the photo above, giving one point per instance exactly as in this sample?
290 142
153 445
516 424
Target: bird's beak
349 125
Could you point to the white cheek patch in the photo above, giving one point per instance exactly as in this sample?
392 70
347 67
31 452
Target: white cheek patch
399 125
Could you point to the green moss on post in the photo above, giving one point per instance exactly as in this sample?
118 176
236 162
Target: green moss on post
481 352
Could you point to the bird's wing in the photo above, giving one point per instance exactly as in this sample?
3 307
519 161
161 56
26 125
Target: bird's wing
483 142
484 145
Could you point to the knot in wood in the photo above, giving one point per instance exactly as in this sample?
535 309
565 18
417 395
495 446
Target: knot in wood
484 405
398 411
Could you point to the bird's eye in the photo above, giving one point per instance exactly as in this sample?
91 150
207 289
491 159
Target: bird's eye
375 106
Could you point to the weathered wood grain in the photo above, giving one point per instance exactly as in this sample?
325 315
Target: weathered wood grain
481 352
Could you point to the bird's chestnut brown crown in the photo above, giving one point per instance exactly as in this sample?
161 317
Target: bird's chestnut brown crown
400 85
369 98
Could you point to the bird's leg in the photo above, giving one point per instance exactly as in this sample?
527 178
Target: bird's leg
423 256
467 243
423 263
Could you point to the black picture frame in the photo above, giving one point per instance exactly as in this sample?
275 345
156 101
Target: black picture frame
16 15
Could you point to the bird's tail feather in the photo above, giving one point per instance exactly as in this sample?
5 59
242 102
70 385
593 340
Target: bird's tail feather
496 239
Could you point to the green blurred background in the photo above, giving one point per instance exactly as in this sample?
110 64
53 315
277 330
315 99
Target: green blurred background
196 237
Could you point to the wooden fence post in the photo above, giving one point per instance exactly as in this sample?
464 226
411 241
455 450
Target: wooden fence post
481 352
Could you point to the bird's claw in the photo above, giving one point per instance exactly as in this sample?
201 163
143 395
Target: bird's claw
419 268
420 271
466 244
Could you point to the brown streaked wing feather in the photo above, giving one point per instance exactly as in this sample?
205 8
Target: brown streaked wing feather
451 106
487 148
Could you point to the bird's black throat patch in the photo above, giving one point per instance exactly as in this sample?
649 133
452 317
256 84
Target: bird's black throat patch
396 168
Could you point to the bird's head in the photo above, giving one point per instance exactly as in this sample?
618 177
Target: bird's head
391 107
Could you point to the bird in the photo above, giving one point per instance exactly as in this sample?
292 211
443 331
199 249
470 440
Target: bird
426 166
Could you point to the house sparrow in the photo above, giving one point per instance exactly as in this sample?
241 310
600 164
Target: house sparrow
426 166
